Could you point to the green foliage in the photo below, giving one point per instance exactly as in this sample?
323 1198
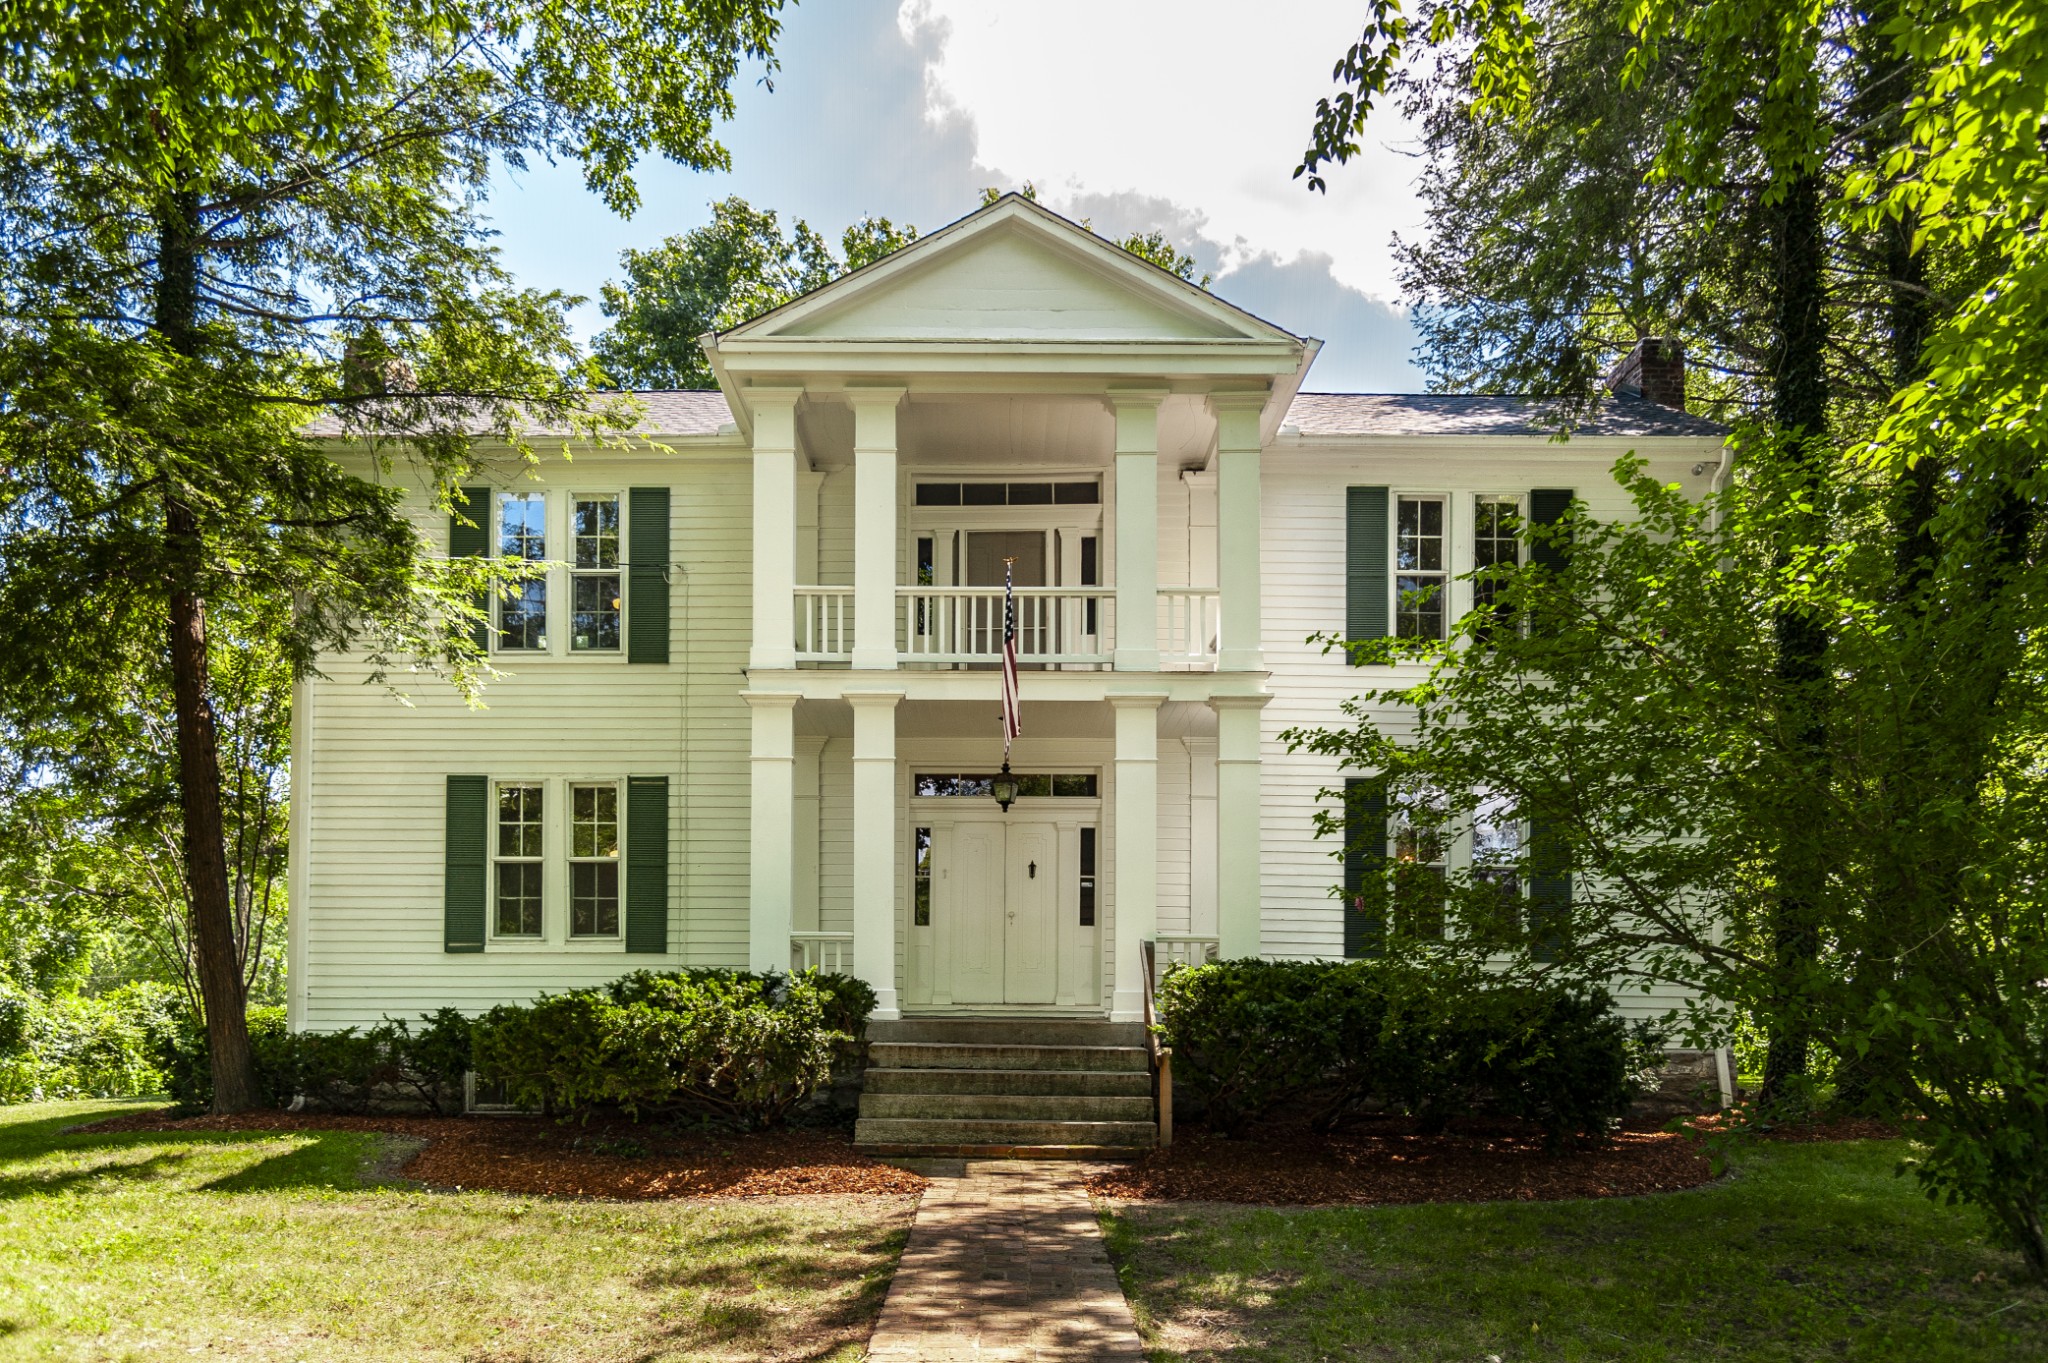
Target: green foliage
734 268
349 1070
76 1046
1435 1039
744 1045
1154 248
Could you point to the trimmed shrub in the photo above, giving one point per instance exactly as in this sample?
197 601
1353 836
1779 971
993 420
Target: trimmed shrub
344 1071
744 1045
79 1046
1435 1040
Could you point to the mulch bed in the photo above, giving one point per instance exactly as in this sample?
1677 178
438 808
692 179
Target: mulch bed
1387 1161
606 1158
1812 1129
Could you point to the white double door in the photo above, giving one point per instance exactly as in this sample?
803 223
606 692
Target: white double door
999 887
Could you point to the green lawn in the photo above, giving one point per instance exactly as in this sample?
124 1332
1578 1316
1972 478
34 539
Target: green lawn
1805 1252
246 1246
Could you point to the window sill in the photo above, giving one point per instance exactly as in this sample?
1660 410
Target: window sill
580 946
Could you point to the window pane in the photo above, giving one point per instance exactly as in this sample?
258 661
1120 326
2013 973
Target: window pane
523 616
938 494
1418 608
1031 494
519 821
981 494
518 899
1077 494
594 624
597 532
1036 784
1419 534
921 877
1087 877
594 899
522 525
1076 786
594 821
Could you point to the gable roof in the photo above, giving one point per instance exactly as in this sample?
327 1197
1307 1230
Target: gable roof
1010 271
1470 414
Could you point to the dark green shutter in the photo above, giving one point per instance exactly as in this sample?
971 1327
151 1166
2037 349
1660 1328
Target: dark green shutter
1365 867
469 536
1365 563
467 876
1550 891
647 863
647 576
1547 506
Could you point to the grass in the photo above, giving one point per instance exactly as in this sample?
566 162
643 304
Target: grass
296 1246
1804 1252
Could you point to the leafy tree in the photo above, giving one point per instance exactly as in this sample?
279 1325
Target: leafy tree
736 267
1876 801
220 219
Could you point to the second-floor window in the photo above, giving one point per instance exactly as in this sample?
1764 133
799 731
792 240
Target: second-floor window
594 574
1421 567
523 606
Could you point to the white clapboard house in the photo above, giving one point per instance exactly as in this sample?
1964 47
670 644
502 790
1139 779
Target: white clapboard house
750 717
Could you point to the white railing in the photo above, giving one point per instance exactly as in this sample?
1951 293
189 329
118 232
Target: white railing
831 951
965 624
824 624
1181 949
1189 620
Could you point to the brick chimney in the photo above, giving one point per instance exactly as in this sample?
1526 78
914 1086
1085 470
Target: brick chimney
1654 370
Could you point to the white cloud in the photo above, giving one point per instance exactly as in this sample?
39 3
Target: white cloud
1207 103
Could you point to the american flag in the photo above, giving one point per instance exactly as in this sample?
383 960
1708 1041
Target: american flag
1013 718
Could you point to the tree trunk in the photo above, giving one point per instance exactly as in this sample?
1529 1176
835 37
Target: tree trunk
1799 409
199 791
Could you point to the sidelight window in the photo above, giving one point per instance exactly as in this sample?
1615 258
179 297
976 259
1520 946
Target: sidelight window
921 877
1087 877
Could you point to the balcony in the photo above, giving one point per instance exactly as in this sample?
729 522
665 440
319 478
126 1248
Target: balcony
1059 627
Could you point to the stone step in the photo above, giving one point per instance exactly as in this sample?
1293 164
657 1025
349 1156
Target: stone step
939 1055
1080 1082
1009 1031
1033 1107
902 1133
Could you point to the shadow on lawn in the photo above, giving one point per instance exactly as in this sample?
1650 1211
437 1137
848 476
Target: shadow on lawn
324 1159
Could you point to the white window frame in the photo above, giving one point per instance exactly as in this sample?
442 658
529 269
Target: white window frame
1445 575
617 860
618 498
549 634
1518 501
499 860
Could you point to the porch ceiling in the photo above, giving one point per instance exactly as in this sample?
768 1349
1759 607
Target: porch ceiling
978 719
1007 429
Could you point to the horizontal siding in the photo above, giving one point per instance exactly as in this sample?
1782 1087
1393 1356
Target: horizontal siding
377 767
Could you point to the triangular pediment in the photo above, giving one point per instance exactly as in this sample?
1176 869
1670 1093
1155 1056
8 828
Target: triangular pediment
1010 272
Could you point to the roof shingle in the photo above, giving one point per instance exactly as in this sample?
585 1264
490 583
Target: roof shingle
1339 414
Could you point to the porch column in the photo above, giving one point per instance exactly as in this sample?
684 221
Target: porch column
771 828
1137 845
1238 892
1137 531
775 461
874 844
875 546
1237 529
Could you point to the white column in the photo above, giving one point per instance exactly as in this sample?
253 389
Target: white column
775 461
874 844
1137 846
1237 529
771 828
1237 824
803 892
875 544
1137 531
1201 835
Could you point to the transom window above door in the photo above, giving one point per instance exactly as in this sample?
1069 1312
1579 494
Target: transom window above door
1040 785
1009 494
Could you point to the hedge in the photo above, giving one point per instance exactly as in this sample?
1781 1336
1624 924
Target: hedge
738 1044
344 1071
1434 1040
78 1046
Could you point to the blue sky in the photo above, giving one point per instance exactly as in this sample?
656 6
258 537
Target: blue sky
1137 114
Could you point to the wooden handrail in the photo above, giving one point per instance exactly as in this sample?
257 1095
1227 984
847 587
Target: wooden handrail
1161 1057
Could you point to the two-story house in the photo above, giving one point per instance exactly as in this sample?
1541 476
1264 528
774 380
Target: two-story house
750 717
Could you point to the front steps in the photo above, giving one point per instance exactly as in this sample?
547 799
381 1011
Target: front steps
1006 1088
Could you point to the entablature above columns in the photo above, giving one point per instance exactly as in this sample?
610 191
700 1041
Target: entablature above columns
913 685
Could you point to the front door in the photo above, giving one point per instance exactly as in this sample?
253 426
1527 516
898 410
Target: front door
999 890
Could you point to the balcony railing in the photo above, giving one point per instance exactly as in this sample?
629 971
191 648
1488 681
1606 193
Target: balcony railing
1056 626
824 624
1059 625
1188 621
829 951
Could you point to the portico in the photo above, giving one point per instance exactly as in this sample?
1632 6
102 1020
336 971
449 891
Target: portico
1011 389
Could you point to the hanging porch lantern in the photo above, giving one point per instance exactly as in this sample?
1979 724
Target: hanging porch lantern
1004 787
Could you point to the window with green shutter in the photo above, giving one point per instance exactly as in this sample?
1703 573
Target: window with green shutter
1365 867
1366 564
1550 891
467 871
647 864
647 593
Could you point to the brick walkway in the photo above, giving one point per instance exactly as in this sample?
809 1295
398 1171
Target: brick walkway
1006 1263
